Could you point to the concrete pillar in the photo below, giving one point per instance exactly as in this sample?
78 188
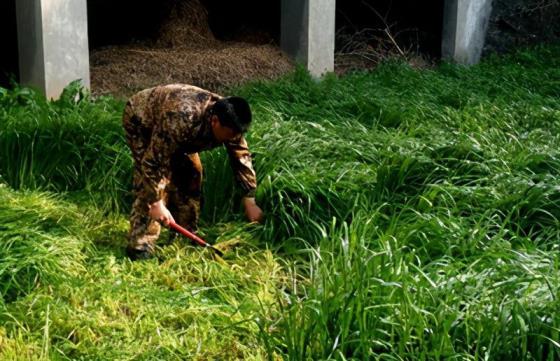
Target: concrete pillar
307 33
53 44
464 29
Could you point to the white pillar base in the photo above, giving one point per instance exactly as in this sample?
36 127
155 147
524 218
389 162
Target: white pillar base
307 33
464 29
53 44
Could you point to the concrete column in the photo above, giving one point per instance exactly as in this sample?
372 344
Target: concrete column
53 44
464 29
307 33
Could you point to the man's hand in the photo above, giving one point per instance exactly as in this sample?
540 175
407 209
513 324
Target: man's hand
159 212
252 210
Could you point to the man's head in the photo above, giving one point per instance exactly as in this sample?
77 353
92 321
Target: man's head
229 118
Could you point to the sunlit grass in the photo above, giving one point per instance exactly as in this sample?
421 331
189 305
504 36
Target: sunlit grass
411 214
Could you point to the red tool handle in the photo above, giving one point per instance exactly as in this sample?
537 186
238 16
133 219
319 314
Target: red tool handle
194 237
188 234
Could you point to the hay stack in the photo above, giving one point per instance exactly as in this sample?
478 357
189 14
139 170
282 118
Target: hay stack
186 26
185 51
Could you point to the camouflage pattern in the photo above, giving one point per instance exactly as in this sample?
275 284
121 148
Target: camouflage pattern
166 127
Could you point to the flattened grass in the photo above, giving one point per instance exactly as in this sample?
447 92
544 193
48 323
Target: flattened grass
411 214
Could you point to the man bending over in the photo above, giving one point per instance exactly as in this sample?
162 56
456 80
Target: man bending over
166 127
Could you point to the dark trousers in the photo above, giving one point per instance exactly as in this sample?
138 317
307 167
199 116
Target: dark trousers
182 196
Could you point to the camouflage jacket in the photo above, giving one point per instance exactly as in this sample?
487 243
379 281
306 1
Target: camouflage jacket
173 118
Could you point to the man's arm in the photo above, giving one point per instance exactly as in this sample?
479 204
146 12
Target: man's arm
242 165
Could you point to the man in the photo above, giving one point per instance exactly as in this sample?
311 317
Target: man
166 127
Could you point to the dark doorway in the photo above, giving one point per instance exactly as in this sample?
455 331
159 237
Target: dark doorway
9 68
252 21
120 22
414 25
127 21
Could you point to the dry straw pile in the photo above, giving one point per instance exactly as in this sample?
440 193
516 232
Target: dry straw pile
184 51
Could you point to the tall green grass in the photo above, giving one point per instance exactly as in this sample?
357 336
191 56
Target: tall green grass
411 214
70 145
429 206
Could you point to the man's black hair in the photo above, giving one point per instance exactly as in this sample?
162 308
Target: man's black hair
234 113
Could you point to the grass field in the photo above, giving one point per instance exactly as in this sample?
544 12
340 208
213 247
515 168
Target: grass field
411 215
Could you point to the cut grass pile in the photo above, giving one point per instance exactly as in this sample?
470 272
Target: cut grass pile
411 214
